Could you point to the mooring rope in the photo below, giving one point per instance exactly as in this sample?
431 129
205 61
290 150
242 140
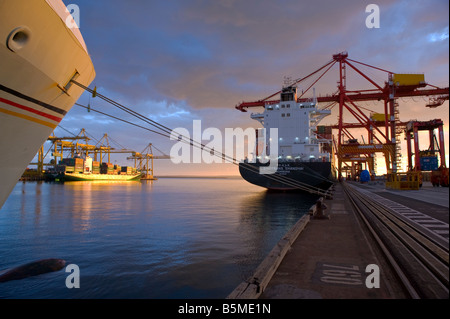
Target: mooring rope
167 132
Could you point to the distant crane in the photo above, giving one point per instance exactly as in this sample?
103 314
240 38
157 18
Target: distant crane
143 161
71 145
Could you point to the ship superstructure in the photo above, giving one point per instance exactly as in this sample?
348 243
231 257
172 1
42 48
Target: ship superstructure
302 154
297 126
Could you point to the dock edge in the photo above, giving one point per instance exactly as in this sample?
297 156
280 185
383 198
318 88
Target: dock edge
254 286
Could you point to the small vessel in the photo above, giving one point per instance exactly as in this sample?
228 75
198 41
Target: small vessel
304 159
41 52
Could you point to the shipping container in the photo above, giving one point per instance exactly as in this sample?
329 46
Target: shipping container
323 129
378 117
408 79
327 148
429 163
127 169
65 168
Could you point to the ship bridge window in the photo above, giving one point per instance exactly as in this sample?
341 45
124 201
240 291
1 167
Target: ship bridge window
288 106
287 96
288 114
282 106
282 115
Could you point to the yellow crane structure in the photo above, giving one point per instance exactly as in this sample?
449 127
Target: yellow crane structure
69 146
143 161
62 145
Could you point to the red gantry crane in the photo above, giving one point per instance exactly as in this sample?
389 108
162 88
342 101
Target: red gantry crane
383 133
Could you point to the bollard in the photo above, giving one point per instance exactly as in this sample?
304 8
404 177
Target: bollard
320 210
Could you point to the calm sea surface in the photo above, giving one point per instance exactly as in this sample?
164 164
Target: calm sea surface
171 238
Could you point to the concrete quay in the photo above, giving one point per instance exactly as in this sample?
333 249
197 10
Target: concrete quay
334 257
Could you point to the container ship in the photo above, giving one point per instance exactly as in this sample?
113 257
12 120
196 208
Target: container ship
304 159
41 52
85 169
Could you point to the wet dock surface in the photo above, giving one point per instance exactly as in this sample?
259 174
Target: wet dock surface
338 258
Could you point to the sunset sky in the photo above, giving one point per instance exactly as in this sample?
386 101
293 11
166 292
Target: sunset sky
179 61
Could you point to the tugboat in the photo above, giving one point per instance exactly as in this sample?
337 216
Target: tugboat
304 159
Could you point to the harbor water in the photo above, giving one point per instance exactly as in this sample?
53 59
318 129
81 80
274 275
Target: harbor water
170 238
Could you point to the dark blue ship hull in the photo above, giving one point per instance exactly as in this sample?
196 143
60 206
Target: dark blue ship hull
289 175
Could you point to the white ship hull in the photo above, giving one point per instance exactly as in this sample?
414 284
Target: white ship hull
39 55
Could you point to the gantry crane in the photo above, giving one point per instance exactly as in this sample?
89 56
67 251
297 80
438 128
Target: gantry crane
71 146
381 140
427 160
143 161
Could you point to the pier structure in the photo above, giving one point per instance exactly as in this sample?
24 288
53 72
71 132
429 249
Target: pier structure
374 243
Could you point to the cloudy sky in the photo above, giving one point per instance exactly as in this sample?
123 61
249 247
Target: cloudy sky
185 60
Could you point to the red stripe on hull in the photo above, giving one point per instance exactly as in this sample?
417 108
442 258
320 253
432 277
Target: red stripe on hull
29 109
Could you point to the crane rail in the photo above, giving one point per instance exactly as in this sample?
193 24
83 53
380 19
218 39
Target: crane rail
420 262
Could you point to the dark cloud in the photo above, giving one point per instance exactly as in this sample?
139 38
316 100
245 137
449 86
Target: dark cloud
216 53
181 60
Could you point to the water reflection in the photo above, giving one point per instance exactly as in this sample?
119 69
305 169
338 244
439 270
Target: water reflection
95 202
264 218
172 238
